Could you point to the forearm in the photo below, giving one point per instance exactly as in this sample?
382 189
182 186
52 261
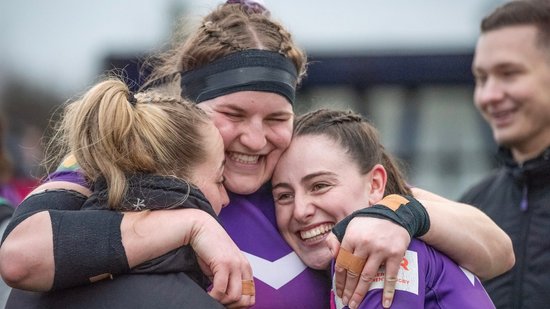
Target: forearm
150 234
467 235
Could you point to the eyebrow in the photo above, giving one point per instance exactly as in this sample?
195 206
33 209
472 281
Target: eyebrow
304 179
238 109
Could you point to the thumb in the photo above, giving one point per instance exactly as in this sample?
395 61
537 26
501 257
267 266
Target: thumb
333 244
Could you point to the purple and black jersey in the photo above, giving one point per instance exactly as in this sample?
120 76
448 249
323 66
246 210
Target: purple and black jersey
282 280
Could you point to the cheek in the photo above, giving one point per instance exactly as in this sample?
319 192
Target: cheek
227 131
281 135
283 214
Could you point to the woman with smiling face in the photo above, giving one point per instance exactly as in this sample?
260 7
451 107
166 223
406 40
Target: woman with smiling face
335 166
242 68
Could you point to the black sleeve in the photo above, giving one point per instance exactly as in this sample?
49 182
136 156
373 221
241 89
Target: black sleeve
86 243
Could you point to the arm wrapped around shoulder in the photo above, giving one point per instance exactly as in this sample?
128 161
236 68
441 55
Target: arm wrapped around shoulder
86 243
405 211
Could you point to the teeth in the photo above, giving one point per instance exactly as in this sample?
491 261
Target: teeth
316 231
243 158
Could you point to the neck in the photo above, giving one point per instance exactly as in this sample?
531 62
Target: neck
530 149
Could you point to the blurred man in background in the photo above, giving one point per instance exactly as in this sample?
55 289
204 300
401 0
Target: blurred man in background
512 71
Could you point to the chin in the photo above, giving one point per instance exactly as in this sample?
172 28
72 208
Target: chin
242 187
316 260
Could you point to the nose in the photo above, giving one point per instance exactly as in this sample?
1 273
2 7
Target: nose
254 135
489 92
304 207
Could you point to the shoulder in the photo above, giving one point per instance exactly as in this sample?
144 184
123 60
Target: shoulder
481 187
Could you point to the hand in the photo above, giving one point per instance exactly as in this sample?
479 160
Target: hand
380 242
223 262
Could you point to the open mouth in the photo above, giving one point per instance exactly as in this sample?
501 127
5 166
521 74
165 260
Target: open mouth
243 158
316 233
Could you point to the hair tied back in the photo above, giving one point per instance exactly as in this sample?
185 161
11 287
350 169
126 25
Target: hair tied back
132 99
251 6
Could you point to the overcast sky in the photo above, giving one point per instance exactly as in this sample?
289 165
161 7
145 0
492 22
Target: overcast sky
60 44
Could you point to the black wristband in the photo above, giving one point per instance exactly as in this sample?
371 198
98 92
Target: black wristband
412 216
87 243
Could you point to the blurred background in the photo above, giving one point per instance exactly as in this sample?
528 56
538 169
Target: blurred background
404 64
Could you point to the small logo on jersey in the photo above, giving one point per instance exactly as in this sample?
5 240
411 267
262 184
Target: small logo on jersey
407 278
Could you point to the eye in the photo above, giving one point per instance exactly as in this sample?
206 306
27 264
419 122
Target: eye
221 181
278 119
231 115
480 79
320 187
283 198
509 73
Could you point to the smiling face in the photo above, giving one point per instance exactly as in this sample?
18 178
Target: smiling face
315 185
512 91
256 128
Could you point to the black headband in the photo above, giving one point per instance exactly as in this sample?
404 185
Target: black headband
248 70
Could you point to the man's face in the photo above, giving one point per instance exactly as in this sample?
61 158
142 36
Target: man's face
513 88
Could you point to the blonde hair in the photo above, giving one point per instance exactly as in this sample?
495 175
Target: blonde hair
229 28
113 134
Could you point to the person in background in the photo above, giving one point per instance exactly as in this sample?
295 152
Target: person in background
512 71
242 67
334 166
148 152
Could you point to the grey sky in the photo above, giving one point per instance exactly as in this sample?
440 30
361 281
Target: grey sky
59 44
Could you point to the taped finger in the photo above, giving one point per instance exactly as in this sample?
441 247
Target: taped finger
248 288
353 263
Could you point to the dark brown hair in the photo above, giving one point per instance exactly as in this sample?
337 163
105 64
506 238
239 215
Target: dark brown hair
227 29
360 140
521 12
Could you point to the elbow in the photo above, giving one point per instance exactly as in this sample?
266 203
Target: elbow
12 268
501 261
509 258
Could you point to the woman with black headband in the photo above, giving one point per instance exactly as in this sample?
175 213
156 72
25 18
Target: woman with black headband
242 68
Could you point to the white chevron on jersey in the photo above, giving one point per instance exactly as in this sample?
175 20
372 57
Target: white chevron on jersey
276 273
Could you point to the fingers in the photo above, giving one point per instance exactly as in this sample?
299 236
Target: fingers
248 288
363 240
359 287
333 244
240 288
351 277
354 264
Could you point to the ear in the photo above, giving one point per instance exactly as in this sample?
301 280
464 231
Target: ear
378 178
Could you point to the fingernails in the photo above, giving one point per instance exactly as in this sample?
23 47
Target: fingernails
339 293
387 303
345 300
353 305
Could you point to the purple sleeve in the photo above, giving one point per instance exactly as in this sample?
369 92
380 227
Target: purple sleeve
428 279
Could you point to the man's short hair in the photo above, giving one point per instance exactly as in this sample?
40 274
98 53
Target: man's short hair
521 12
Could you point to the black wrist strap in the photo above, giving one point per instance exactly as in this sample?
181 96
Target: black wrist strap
411 215
87 243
